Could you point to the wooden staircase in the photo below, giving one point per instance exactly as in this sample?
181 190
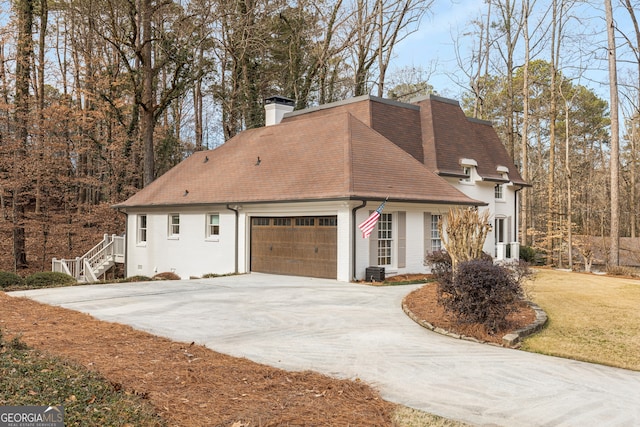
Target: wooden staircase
95 263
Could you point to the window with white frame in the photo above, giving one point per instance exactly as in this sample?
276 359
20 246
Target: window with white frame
499 192
174 225
142 229
436 241
467 171
213 225
385 239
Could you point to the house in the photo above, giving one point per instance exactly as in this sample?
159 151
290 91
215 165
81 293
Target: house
287 198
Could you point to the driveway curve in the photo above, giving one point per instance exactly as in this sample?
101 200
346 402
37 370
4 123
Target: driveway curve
353 331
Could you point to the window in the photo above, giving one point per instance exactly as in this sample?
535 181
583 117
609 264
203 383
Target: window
499 194
467 171
436 241
305 222
142 229
282 222
261 221
385 239
499 230
328 222
213 225
174 225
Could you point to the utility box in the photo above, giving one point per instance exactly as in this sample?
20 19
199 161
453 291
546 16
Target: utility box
374 274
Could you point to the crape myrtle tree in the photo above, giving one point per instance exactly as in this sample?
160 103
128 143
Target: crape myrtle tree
470 285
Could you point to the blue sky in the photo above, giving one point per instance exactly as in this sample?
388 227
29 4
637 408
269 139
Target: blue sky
433 43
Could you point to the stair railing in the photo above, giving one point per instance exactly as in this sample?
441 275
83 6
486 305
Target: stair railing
84 268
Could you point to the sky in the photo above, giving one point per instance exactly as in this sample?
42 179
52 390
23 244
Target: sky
432 46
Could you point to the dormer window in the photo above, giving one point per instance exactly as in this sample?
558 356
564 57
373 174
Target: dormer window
503 171
467 169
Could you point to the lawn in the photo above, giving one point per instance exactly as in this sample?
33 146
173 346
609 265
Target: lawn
592 318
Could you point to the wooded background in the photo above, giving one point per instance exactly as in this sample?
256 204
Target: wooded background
99 97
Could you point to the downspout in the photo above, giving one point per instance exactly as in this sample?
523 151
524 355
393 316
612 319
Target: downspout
235 260
353 254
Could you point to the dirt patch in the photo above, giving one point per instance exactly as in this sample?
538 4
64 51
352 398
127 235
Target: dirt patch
423 303
189 384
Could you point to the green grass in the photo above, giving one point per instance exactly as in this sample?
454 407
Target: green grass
28 377
591 318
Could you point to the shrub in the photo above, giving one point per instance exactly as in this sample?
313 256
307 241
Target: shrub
440 263
619 270
519 271
47 279
528 254
10 279
138 278
214 275
480 292
166 276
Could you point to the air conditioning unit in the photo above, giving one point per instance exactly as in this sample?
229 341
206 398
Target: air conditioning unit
374 274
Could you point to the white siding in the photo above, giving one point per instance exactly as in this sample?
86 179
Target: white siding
190 254
415 250
504 208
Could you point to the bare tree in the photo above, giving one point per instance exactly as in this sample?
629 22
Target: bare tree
635 120
524 145
614 249
380 25
463 232
511 29
568 99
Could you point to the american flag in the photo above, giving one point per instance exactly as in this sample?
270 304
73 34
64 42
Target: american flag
370 223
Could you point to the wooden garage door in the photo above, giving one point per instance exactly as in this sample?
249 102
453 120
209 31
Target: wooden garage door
299 246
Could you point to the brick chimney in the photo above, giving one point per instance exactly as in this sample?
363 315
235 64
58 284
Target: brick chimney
275 108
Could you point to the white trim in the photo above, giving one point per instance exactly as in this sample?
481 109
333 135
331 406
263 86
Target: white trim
139 241
171 234
468 162
207 227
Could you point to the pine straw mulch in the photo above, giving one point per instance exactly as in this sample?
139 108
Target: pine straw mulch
189 384
423 303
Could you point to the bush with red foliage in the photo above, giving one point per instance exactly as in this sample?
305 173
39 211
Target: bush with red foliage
480 292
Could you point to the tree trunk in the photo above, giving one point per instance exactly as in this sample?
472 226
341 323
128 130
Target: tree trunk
148 104
197 111
635 123
44 12
614 249
24 53
552 136
568 178
524 160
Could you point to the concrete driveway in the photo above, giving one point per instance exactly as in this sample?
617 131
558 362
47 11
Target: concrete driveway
355 331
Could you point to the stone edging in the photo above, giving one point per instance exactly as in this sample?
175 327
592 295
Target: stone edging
511 340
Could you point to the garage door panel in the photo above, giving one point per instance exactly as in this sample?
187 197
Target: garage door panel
299 246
